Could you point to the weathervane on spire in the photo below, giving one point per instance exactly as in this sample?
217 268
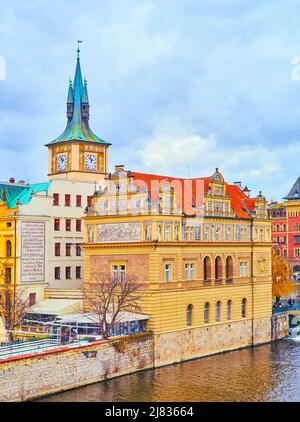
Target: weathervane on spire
78 49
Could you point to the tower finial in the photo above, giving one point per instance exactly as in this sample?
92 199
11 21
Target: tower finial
78 49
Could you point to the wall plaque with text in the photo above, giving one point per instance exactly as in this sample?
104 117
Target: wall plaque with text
33 252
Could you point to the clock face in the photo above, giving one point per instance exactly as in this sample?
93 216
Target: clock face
62 162
90 162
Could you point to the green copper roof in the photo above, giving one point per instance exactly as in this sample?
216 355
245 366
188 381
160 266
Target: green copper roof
11 193
77 128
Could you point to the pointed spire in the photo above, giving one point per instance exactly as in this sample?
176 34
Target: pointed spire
85 97
77 128
294 193
70 98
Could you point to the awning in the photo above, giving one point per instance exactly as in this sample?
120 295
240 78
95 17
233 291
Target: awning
92 319
56 307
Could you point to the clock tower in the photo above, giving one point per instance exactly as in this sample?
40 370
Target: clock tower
78 154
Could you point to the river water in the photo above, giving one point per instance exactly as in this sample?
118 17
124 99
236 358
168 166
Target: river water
265 373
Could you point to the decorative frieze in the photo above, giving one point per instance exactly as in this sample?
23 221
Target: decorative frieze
119 232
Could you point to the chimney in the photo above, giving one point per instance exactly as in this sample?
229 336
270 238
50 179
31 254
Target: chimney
12 180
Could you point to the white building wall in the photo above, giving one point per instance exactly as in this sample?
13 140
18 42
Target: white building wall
73 188
41 209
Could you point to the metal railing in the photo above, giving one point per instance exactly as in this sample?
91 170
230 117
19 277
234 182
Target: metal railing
32 347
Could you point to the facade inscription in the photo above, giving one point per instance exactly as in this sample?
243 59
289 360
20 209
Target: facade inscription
33 252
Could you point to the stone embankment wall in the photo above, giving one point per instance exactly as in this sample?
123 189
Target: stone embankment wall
215 338
28 377
280 326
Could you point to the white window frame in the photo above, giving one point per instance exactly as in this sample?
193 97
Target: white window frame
168 273
192 271
186 271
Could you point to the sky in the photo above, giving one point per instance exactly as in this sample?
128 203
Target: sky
179 87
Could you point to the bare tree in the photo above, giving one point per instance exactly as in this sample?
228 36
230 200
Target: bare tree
107 297
14 304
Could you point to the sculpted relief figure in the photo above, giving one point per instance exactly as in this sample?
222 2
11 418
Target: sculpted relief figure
261 265
176 232
148 232
159 232
90 234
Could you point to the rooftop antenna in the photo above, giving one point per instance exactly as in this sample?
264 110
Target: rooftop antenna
188 171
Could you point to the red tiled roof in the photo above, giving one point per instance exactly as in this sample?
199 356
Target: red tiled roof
239 201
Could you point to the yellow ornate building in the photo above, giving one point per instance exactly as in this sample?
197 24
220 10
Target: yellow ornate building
202 248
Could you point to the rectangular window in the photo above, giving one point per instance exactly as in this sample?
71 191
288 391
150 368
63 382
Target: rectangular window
168 272
55 199
167 233
191 233
57 249
122 272
68 273
8 275
241 269
67 200
261 233
187 231
297 239
192 271
78 200
68 224
78 272
297 253
68 249
186 267
115 272
89 201
32 299
57 273
78 225
57 224
78 250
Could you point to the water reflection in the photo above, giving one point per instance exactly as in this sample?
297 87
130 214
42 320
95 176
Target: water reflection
265 373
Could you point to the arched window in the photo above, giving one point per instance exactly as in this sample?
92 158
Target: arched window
218 269
189 315
218 311
206 313
229 269
229 309
244 308
8 248
206 269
